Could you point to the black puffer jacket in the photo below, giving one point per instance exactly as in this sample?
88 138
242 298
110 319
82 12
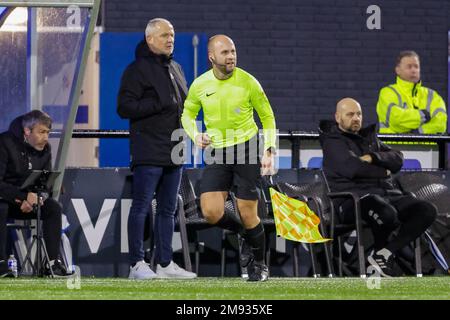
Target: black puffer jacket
343 168
148 99
17 159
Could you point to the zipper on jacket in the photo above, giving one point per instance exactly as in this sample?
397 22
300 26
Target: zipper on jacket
414 93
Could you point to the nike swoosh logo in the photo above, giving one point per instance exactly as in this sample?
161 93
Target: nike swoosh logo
209 94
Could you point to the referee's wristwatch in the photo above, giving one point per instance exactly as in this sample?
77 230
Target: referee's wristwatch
272 151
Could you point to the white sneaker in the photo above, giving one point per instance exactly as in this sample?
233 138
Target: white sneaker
174 271
141 271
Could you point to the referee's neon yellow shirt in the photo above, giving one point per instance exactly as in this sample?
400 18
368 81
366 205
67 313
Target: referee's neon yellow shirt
228 109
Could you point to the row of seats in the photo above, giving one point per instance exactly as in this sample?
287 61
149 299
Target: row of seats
304 183
408 164
311 186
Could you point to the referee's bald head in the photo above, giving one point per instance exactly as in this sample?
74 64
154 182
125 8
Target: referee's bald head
219 38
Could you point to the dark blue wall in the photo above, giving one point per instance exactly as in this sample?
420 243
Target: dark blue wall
308 54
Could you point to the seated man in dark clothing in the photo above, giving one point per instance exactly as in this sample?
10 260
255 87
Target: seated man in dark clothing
23 148
355 160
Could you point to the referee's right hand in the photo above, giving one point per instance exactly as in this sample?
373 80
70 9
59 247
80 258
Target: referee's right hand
202 140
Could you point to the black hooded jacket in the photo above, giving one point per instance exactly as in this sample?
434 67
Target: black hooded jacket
344 169
148 99
17 160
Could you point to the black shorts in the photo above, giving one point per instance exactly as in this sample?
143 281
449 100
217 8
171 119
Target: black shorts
241 176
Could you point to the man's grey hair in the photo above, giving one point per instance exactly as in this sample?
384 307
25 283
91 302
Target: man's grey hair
32 118
151 25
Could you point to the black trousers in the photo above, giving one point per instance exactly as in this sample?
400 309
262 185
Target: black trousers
409 216
51 221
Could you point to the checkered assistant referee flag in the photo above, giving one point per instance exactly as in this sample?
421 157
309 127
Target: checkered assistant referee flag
294 220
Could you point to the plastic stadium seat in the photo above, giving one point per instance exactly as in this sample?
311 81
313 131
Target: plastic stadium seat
22 231
315 163
411 164
191 220
284 162
306 192
321 199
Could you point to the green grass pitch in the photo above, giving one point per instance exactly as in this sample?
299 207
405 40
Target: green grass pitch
226 289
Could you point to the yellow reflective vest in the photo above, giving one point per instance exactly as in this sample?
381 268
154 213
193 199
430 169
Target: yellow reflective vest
399 109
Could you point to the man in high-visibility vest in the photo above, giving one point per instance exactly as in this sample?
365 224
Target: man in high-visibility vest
407 106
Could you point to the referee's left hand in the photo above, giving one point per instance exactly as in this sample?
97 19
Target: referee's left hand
267 164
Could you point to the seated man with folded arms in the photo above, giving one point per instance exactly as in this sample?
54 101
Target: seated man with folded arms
407 106
355 160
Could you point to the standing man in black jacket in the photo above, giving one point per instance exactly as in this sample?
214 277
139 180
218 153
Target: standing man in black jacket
23 148
356 160
151 96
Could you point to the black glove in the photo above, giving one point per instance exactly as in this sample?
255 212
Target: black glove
425 115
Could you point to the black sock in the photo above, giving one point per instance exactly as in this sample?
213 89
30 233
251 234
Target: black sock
230 222
257 240
165 264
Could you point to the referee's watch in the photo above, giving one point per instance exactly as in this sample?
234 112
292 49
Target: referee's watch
272 151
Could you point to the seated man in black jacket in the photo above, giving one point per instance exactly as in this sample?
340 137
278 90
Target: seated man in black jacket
355 160
23 148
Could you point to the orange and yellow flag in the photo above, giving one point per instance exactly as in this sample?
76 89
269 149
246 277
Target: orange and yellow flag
294 220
